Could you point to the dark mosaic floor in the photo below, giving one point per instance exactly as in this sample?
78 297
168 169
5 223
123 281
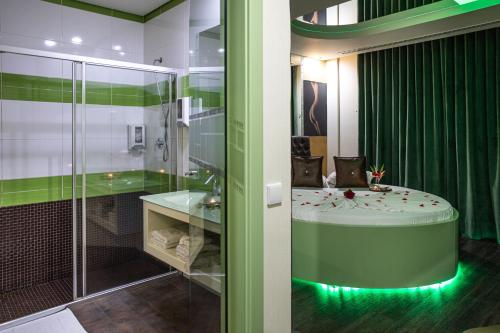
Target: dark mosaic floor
471 300
29 300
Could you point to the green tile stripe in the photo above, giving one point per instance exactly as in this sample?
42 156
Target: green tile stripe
211 99
162 9
117 13
15 192
57 90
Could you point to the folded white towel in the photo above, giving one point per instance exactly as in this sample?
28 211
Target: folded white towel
158 244
169 237
185 240
182 250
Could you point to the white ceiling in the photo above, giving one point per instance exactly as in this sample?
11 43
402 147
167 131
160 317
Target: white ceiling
139 7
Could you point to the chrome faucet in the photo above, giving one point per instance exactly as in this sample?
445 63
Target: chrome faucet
216 190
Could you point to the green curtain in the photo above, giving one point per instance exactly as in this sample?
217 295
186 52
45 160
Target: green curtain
430 112
370 9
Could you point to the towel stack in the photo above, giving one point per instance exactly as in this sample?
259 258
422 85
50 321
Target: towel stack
182 250
166 238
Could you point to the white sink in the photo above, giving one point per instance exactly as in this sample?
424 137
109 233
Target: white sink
186 202
184 198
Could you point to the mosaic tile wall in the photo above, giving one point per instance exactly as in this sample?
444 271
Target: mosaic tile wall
36 239
35 244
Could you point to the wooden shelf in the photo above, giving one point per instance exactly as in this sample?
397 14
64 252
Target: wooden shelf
168 256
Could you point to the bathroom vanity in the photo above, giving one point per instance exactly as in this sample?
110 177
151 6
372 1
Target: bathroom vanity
186 211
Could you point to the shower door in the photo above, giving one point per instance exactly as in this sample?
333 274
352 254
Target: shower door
39 110
79 144
128 152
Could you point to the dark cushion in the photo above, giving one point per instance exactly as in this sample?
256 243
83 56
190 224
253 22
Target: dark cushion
301 146
306 171
351 172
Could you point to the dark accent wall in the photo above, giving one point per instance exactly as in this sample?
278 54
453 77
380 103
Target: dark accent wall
35 244
36 239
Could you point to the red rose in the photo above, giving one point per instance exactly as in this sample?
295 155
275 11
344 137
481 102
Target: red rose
349 194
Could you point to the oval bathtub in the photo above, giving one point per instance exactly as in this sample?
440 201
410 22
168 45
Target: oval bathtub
401 239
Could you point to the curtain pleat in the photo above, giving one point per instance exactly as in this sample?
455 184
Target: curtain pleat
430 113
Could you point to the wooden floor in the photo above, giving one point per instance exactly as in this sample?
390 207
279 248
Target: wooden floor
471 300
167 305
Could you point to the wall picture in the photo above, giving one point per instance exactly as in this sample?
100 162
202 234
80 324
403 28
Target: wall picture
317 17
315 104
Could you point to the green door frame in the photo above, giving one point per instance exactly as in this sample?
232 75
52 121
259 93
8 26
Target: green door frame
245 208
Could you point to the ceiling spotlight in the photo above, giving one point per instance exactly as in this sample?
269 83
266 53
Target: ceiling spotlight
76 40
191 52
220 50
122 53
50 43
117 47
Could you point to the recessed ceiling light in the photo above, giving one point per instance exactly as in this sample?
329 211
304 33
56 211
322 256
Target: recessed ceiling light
220 50
76 40
122 53
117 47
50 43
191 52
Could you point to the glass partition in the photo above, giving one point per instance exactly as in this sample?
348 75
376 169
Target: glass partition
129 153
204 163
37 211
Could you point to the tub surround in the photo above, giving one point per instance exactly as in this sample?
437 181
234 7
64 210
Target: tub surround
351 250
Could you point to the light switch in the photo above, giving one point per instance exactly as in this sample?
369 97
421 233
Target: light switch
274 194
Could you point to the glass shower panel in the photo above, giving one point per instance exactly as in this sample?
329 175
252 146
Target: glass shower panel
36 184
204 162
125 158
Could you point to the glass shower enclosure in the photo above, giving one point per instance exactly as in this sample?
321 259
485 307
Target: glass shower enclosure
81 141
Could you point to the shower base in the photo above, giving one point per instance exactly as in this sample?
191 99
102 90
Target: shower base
26 301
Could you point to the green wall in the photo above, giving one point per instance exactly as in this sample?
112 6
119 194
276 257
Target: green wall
245 165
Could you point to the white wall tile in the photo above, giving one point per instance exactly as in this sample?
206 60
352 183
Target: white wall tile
98 155
31 158
98 121
93 29
31 120
124 160
26 65
32 18
121 117
129 35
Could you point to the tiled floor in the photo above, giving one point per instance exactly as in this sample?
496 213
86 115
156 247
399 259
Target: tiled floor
135 270
167 305
26 301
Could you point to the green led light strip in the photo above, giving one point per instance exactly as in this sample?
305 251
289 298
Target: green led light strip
451 283
463 2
